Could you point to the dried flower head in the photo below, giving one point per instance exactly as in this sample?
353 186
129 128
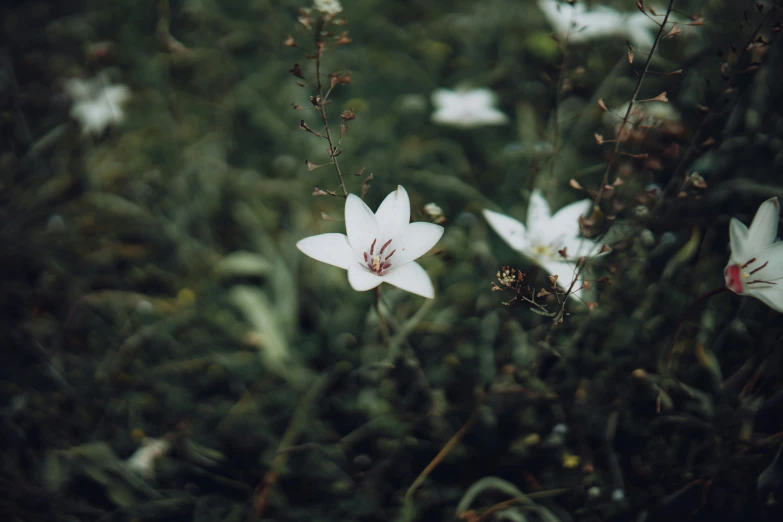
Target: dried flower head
434 212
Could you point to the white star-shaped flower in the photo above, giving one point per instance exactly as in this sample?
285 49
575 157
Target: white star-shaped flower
380 247
143 459
756 264
546 235
96 104
466 108
581 25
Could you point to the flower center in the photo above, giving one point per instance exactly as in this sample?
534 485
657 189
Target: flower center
737 274
542 250
733 276
378 263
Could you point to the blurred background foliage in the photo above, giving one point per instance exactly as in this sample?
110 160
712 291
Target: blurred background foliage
151 286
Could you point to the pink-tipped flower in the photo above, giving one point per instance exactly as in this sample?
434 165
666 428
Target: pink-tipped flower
756 264
380 247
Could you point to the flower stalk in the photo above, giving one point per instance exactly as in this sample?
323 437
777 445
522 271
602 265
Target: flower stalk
681 321
381 318
321 103
638 88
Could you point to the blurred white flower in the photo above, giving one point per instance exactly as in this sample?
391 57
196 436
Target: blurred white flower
547 235
143 459
96 103
434 212
466 108
330 7
579 24
380 247
756 264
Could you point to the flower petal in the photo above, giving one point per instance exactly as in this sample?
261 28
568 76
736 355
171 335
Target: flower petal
577 247
565 274
509 229
412 278
479 98
360 224
362 279
768 265
566 220
415 240
738 238
492 116
764 227
770 295
538 211
393 214
444 98
332 249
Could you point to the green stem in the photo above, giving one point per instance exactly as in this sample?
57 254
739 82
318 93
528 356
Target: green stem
381 318
321 108
691 308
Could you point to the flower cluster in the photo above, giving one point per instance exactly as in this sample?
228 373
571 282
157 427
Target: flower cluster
383 246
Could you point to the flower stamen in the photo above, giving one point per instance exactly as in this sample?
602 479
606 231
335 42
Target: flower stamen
748 263
762 281
376 263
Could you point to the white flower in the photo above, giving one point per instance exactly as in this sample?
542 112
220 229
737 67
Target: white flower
330 7
466 108
380 247
546 235
143 459
756 264
96 103
580 25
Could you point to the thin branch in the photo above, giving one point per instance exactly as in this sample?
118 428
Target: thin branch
284 450
673 186
439 457
321 105
639 82
559 96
